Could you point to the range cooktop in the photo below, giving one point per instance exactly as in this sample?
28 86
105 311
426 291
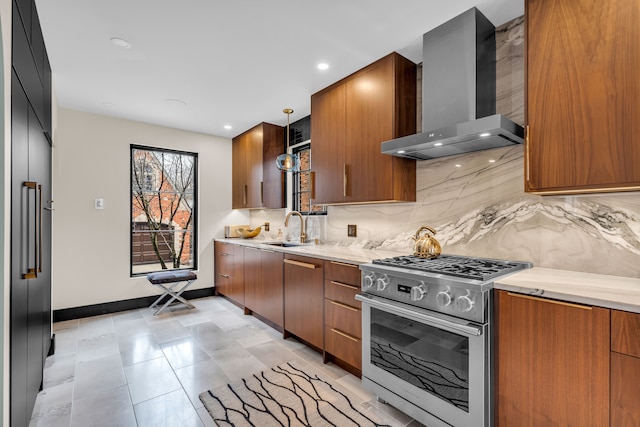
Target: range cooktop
454 265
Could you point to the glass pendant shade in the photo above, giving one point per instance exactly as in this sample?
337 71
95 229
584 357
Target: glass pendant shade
287 162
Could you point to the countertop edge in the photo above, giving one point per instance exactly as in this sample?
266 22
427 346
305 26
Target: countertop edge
326 252
613 292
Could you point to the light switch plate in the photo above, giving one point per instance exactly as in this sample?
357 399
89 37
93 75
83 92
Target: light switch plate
99 203
352 230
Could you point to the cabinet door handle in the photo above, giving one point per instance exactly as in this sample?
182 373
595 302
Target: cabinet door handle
262 192
32 273
224 254
344 264
344 335
345 285
528 155
312 185
345 306
244 195
550 301
300 264
40 229
344 180
226 276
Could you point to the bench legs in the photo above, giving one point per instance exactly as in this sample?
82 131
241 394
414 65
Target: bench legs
170 289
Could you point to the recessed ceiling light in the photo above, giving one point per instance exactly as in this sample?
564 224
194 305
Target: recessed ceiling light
484 135
458 165
437 144
121 43
401 152
227 127
323 66
492 161
175 102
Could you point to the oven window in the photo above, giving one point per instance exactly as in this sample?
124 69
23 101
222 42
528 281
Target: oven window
429 358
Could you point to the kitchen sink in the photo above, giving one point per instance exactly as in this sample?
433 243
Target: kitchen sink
284 244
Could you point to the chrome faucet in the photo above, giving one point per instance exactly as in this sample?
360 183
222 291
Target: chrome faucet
303 236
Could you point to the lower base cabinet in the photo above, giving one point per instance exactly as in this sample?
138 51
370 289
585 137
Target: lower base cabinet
229 271
303 298
625 390
342 315
552 362
263 285
625 369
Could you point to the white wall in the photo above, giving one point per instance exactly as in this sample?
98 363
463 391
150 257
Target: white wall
91 247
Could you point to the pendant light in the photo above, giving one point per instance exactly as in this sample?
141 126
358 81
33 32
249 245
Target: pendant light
287 162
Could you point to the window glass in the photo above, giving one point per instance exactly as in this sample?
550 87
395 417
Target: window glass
163 210
302 183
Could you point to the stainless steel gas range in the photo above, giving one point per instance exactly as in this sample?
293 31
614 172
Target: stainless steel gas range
427 335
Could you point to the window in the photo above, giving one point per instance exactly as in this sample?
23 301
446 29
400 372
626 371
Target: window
301 190
163 210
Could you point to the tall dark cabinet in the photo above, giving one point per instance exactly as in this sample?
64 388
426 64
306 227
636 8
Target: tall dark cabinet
30 211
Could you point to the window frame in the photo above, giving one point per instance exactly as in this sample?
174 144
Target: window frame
195 217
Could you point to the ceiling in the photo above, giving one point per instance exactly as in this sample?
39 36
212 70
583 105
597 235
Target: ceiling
199 65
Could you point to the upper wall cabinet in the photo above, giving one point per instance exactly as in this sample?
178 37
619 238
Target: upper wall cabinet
257 182
583 100
349 121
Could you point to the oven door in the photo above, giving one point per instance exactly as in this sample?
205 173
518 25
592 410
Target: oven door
434 367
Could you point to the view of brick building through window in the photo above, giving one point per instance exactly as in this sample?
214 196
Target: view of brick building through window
163 210
302 183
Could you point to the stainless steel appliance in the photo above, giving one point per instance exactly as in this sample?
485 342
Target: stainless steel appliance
427 335
458 93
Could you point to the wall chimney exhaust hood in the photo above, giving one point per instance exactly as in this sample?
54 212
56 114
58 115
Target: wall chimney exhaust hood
458 93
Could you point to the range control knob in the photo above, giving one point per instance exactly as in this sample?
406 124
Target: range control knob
382 283
443 298
418 292
368 281
464 304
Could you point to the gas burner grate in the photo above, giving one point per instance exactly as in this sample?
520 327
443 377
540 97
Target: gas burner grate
465 267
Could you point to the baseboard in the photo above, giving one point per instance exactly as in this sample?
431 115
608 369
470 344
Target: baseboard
123 305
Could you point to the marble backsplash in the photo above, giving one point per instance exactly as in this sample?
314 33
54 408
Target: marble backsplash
477 205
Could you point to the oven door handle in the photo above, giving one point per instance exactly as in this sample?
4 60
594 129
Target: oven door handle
418 314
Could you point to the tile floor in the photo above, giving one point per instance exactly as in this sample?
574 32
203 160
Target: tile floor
136 369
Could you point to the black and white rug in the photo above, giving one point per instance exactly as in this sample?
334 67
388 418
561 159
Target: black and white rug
286 395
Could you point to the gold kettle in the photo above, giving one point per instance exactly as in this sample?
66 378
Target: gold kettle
426 246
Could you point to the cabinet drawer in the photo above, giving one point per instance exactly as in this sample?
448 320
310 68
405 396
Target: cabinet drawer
343 346
625 332
341 292
342 272
343 317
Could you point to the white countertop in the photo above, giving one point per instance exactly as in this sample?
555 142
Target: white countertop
340 253
616 292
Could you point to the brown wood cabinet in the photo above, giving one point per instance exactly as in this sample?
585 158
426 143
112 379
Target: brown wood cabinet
256 181
349 121
304 298
229 271
263 285
625 369
582 103
552 362
343 315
